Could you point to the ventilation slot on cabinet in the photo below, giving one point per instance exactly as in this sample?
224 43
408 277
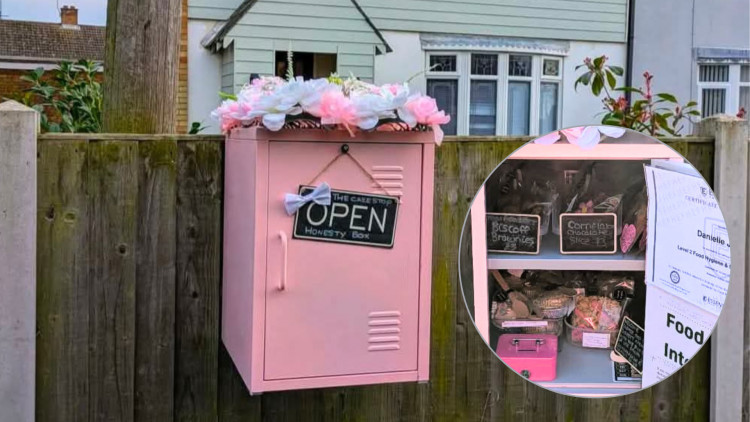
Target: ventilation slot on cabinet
384 332
390 180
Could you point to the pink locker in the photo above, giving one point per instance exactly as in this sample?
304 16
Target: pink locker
301 313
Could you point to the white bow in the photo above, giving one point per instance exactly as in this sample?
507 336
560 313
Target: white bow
320 195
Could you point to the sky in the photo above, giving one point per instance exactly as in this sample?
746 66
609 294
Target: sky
90 12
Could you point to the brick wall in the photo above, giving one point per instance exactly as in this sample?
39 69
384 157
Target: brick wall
182 77
11 84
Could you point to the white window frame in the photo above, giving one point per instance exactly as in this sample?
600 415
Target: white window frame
742 84
551 79
732 86
464 77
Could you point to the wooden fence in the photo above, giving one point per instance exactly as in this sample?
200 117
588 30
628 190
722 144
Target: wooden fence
128 304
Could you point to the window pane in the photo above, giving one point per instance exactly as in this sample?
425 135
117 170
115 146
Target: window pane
482 107
518 107
712 101
714 73
745 98
745 73
519 65
445 93
547 107
484 64
551 67
442 63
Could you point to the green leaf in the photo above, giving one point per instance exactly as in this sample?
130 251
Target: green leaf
694 113
629 89
691 104
597 84
227 96
611 79
667 97
583 79
660 120
617 70
598 61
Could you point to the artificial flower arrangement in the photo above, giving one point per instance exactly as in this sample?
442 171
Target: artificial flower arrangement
330 103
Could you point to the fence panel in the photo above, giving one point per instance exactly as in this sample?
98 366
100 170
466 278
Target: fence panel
129 263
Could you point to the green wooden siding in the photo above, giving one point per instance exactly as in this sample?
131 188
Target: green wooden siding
227 70
211 9
599 20
331 26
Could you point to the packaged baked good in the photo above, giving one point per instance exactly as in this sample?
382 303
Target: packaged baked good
616 287
596 312
553 304
594 322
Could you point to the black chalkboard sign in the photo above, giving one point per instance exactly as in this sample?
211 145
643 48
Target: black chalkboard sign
630 343
513 233
352 217
588 233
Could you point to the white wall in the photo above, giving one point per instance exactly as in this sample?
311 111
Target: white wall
406 60
578 108
581 107
204 77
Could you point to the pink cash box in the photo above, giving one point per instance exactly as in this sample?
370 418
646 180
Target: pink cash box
534 356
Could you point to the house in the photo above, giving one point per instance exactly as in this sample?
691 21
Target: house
708 44
28 45
503 67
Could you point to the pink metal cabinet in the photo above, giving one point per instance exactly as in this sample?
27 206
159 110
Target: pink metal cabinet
307 314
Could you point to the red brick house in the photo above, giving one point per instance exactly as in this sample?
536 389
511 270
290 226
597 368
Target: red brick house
29 45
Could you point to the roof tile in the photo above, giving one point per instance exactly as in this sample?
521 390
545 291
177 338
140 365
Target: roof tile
41 40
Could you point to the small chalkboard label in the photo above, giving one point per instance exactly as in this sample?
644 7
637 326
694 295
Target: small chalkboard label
352 217
513 233
588 233
630 343
623 372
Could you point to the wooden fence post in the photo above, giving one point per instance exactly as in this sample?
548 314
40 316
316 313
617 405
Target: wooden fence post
728 339
18 130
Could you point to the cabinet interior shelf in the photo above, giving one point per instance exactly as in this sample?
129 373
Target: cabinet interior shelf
550 258
580 368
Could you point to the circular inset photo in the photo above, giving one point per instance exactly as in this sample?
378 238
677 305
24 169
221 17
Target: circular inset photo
597 261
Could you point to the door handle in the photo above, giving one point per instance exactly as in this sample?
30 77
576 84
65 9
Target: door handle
284 246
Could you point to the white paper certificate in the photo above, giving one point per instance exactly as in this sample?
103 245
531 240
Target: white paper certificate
688 243
674 332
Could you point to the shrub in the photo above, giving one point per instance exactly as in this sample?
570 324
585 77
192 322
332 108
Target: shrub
70 100
656 114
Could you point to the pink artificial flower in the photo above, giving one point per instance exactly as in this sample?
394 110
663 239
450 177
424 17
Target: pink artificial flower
228 124
585 137
337 109
231 114
423 110
393 88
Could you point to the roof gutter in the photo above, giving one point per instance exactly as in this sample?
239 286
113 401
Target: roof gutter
629 59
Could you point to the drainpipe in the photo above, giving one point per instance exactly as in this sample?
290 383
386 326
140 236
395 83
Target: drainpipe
629 60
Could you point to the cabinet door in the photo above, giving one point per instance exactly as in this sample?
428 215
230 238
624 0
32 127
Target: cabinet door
346 309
